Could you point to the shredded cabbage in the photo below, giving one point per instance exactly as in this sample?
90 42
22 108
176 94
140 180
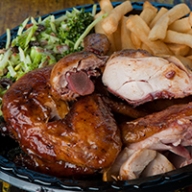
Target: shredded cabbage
40 42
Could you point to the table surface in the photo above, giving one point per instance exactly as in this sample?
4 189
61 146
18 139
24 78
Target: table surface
12 13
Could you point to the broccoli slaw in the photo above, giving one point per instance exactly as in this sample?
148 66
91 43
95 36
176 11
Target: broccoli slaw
41 42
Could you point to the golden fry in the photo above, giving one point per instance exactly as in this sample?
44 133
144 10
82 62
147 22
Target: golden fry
179 49
117 39
99 29
136 41
159 14
158 32
177 12
178 38
186 61
148 12
159 29
145 47
110 23
141 29
126 35
182 25
106 5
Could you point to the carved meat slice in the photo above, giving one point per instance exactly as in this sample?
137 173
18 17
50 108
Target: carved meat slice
139 77
160 164
134 166
167 130
112 173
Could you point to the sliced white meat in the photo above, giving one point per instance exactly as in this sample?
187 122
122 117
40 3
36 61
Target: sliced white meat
167 130
139 77
112 173
136 163
160 164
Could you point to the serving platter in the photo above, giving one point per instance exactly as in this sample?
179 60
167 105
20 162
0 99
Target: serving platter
29 180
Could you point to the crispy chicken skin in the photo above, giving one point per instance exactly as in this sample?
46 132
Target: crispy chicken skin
169 129
66 126
97 43
58 168
154 144
86 136
71 75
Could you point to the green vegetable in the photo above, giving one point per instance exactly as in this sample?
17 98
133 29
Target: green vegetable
23 40
42 42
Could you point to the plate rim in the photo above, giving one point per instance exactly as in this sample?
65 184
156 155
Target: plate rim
21 177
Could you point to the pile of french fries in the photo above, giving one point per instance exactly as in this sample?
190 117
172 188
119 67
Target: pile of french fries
159 31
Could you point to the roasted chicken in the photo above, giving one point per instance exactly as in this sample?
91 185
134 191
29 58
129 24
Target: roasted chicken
169 129
139 77
71 76
97 43
50 133
154 144
65 126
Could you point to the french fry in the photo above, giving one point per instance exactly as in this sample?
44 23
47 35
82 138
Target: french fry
110 23
177 12
141 29
136 41
189 57
189 53
178 38
99 29
145 47
117 39
190 18
148 12
189 32
159 29
186 61
182 25
179 49
126 35
111 39
158 32
159 14
189 64
163 32
106 6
